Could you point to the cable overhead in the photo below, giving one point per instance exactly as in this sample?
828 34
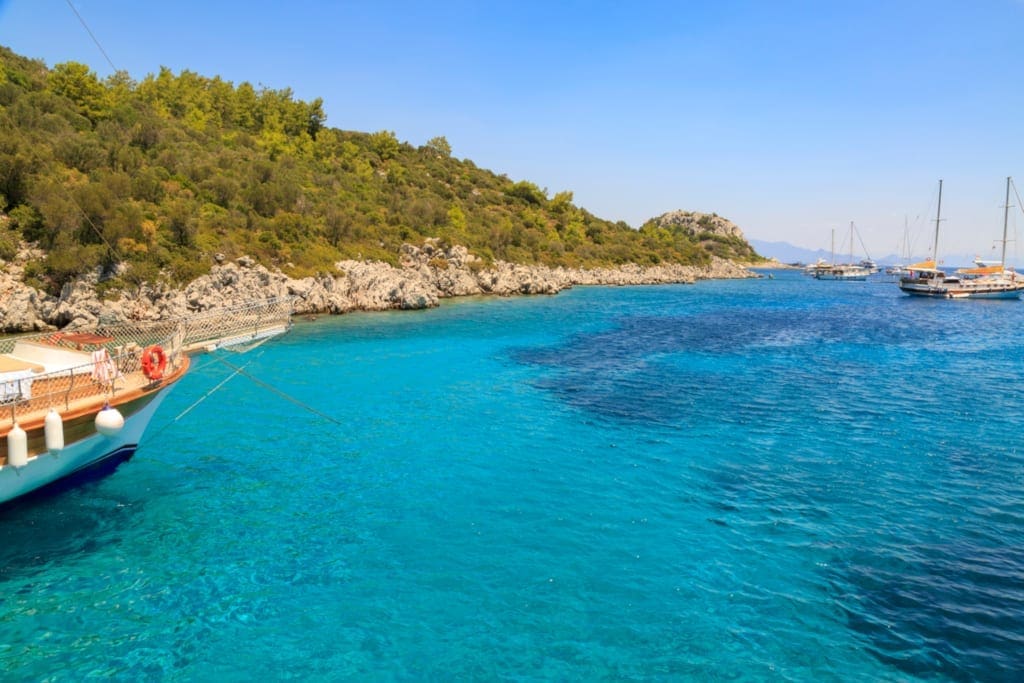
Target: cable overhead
95 228
89 31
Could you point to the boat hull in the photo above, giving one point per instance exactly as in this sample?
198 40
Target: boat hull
993 294
916 289
848 278
845 272
939 291
87 459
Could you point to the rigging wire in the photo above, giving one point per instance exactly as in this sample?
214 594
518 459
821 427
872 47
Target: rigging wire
275 390
95 228
89 31
921 223
209 393
861 240
1017 195
67 192
1020 205
151 434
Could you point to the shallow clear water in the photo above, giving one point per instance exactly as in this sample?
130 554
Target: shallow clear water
773 479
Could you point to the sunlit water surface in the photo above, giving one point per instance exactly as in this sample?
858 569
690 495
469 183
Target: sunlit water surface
769 479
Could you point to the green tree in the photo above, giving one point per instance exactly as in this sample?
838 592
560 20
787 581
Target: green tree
181 222
439 145
384 144
76 82
561 202
529 192
457 223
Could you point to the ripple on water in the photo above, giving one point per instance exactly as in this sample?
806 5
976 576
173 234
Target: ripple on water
738 480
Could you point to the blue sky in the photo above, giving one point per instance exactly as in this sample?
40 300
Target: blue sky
790 118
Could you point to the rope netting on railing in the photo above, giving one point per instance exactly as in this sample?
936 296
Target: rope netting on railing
55 369
247 321
197 328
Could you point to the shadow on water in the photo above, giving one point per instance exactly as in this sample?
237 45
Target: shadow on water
42 531
728 332
954 610
927 604
658 369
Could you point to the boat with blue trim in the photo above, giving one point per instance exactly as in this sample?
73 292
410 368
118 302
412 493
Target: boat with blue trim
75 404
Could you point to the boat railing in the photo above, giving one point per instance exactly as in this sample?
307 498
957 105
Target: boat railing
197 329
62 369
237 324
58 369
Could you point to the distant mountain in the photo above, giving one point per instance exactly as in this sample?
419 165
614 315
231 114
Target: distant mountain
785 252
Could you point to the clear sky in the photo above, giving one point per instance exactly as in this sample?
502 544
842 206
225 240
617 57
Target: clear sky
790 118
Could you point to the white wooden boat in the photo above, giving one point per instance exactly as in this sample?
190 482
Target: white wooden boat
982 282
74 405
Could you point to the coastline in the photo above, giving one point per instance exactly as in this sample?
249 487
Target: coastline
425 275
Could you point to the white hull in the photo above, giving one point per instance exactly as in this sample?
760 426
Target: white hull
49 468
961 290
126 367
861 277
842 272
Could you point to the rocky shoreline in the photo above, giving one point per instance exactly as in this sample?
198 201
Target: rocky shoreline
425 275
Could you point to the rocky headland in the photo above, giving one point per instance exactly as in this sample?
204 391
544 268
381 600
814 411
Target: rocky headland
425 275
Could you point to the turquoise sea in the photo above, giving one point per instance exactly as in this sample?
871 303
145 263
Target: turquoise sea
782 479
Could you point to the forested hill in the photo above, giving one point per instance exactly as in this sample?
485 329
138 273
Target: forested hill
167 172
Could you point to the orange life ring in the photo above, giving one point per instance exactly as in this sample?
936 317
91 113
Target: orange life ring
154 362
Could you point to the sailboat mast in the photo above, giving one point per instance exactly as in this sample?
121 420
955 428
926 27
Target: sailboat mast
938 212
833 246
851 243
1006 218
905 249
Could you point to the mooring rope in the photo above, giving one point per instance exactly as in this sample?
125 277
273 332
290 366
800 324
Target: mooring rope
152 434
236 370
209 393
273 389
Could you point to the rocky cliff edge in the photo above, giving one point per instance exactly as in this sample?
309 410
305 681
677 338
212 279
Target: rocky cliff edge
425 275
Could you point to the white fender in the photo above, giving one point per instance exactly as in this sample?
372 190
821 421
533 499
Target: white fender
17 446
109 421
54 430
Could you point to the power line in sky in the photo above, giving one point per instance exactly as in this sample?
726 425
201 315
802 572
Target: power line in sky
89 31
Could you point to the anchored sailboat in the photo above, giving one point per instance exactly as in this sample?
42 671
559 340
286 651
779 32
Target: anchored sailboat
984 282
903 249
844 271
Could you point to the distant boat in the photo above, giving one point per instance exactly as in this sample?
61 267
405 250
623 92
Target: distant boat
896 269
844 271
986 281
74 405
811 269
903 249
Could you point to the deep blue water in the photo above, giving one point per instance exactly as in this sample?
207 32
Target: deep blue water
781 479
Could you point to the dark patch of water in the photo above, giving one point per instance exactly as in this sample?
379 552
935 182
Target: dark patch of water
954 610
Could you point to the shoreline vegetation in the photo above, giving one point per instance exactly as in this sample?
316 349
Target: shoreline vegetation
140 200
